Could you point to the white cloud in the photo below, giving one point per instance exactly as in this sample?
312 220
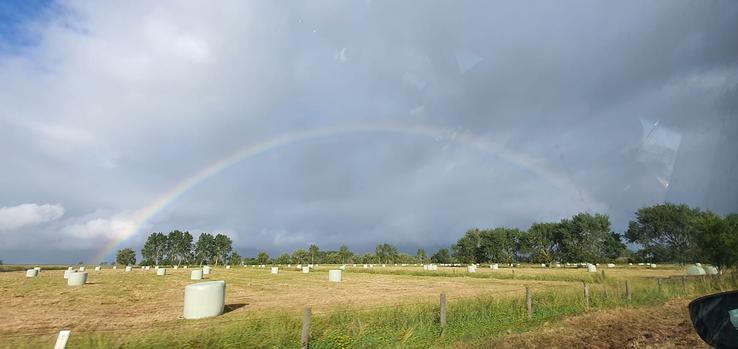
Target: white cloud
28 214
116 226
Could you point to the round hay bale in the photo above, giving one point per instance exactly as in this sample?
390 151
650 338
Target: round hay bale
334 275
695 270
31 273
196 274
204 299
77 278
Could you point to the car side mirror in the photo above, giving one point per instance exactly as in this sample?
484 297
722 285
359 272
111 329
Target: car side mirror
715 318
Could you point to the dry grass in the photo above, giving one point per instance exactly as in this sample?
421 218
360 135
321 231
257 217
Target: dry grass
114 299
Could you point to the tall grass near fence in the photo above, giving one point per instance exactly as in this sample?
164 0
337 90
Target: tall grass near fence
469 320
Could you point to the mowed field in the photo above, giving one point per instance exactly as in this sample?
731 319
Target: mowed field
114 301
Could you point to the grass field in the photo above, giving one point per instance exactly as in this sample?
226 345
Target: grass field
380 307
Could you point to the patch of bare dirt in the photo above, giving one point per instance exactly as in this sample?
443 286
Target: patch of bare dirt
666 326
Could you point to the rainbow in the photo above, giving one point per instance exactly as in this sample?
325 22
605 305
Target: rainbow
144 214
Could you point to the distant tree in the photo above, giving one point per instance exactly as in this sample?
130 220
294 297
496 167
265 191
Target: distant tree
667 232
421 255
154 249
468 248
582 238
284 258
262 257
613 247
223 247
345 254
205 248
442 256
234 258
386 253
125 256
499 245
541 242
314 255
718 242
300 256
178 247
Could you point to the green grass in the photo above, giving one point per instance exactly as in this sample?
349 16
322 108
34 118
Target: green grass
470 320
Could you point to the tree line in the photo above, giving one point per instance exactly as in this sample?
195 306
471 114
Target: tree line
664 232
177 248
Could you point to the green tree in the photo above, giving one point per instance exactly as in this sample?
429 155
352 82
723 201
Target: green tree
667 232
386 253
613 247
421 255
262 257
541 242
300 256
178 247
284 258
718 242
223 246
442 256
125 256
205 248
314 250
501 245
155 248
582 238
345 254
234 258
468 248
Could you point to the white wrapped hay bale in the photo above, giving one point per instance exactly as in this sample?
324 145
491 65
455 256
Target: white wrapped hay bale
698 264
591 268
228 267
710 270
176 267
81 268
305 270
31 273
695 270
610 265
38 269
207 270
343 267
494 266
77 278
97 268
366 266
67 272
115 267
334 275
161 271
471 268
129 268
652 266
196 274
299 266
275 270
204 299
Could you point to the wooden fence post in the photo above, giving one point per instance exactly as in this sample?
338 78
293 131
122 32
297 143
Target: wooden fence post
586 294
603 274
658 281
628 291
529 301
442 316
513 273
684 284
305 339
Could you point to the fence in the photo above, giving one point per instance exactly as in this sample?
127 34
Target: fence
446 320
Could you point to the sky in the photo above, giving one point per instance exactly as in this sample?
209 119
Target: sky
283 124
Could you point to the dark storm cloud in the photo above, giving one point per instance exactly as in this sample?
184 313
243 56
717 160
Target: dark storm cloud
631 102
